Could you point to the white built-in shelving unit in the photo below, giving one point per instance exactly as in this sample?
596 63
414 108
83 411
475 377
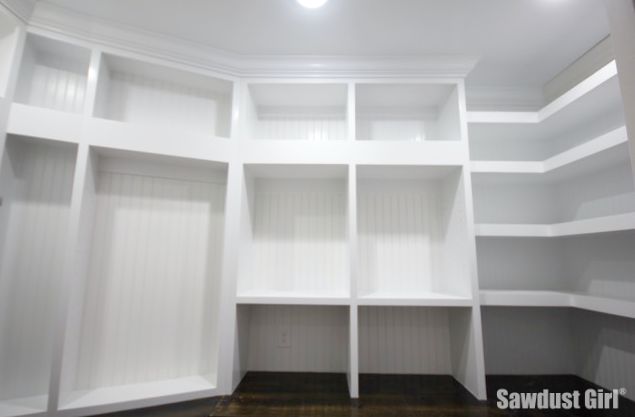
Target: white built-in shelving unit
166 227
555 225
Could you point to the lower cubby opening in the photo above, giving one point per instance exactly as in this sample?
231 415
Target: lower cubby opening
144 325
289 338
36 182
419 341
537 342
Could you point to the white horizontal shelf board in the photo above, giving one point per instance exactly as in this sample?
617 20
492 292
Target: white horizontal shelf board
39 122
600 304
134 392
23 406
579 91
614 223
414 298
586 150
292 298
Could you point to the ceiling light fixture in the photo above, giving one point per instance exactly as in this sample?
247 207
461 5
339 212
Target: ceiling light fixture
312 4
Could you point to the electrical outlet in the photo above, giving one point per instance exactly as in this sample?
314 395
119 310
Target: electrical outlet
284 337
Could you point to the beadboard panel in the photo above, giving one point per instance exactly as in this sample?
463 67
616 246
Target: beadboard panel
301 127
37 198
605 350
400 236
404 340
150 308
318 338
396 130
299 238
528 341
601 265
133 98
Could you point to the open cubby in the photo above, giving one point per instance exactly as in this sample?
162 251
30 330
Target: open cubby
407 112
277 338
294 111
140 92
594 187
36 182
412 233
417 341
53 75
8 42
148 315
294 239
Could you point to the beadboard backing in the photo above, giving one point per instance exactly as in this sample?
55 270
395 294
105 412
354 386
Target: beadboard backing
298 238
137 98
52 75
36 188
605 350
151 300
318 338
528 341
404 340
300 127
412 235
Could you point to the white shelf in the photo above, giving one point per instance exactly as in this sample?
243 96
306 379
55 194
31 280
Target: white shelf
53 75
588 110
574 155
407 112
143 93
516 298
291 298
614 223
296 111
30 406
171 390
422 299
405 244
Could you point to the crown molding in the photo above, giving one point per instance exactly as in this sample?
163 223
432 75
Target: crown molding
21 9
58 20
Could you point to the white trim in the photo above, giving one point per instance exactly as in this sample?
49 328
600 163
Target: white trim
58 20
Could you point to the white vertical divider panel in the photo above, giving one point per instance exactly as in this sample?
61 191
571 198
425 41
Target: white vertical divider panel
76 266
353 366
467 333
78 254
229 367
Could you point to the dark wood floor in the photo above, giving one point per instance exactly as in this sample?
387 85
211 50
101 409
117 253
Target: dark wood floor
326 395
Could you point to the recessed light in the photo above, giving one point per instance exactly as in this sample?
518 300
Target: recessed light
312 4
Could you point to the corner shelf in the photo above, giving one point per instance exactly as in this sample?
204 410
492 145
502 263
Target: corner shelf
407 112
606 224
521 298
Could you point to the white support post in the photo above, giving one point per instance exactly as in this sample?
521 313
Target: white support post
621 15
353 322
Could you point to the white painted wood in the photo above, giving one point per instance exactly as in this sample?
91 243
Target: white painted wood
53 75
288 111
9 36
404 340
571 156
36 186
318 338
153 277
407 227
26 120
407 112
138 92
298 242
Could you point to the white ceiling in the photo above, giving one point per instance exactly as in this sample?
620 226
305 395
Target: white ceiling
520 42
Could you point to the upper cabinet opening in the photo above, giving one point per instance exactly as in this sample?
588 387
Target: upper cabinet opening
407 112
8 38
291 111
53 75
138 92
